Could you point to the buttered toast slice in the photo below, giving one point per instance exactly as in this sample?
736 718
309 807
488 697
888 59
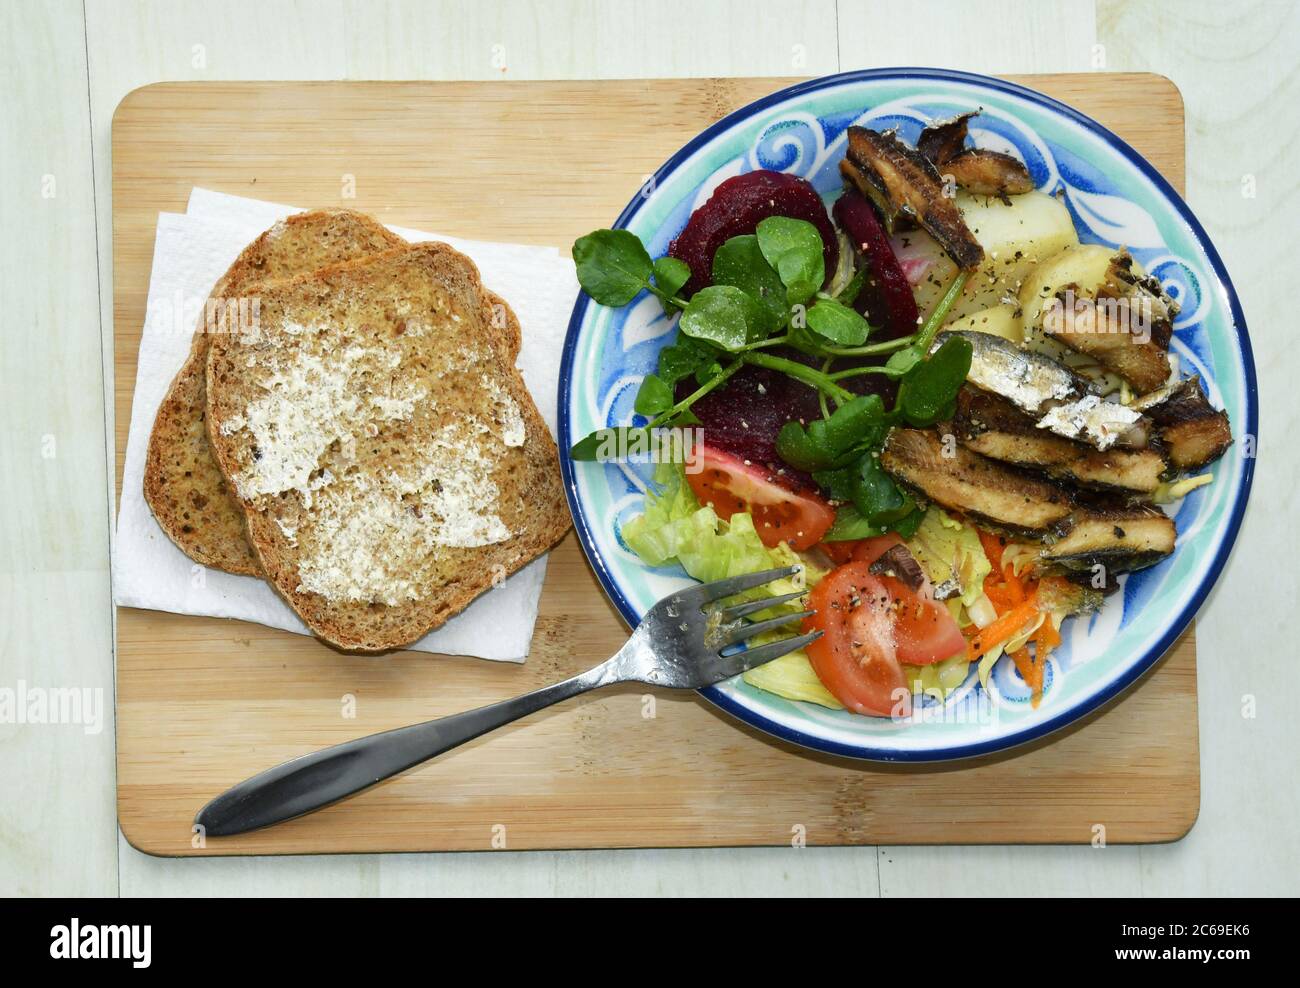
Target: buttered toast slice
389 461
183 485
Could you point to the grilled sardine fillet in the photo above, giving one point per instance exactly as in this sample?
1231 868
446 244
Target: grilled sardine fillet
992 426
903 182
1191 431
945 139
1057 398
1126 328
984 172
960 480
1121 539
1029 380
1076 537
1073 595
1091 328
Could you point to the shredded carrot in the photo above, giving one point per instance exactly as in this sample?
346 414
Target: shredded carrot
999 595
1024 664
992 548
1046 638
1014 586
1015 600
1002 629
1030 671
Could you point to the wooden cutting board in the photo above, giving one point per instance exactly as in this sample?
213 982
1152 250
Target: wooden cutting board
204 703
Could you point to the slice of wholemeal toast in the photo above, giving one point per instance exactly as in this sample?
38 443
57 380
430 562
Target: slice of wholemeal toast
183 485
389 461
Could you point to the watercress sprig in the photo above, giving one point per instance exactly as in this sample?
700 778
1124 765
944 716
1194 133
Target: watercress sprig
623 437
766 292
614 267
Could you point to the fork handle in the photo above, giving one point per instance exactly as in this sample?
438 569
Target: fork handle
323 777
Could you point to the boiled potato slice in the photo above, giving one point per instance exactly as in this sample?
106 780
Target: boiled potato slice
1083 266
1016 236
1001 320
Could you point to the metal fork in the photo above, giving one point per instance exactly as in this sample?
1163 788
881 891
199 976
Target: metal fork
680 643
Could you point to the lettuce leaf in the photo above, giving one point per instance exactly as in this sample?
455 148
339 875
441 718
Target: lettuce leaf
671 518
946 548
792 677
987 661
675 528
939 678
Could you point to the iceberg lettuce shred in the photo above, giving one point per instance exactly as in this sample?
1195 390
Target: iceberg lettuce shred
791 676
946 548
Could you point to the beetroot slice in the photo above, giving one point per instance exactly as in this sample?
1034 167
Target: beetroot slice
736 208
887 297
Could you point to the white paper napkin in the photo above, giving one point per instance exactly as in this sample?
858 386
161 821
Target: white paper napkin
193 250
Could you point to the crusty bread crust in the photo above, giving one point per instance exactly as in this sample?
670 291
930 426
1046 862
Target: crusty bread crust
183 485
395 519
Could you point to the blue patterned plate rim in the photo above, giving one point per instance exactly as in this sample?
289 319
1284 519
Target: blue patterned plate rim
1174 627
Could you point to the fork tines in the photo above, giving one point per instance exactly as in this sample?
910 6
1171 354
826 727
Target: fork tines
743 632
752 657
708 592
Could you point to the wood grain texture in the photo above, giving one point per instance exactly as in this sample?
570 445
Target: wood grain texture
56 780
204 703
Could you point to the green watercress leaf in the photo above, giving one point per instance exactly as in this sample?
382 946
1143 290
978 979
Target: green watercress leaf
794 249
837 484
723 315
838 323
627 442
600 444
834 442
684 357
670 275
850 525
795 447
707 373
654 396
907 525
740 263
902 361
850 292
930 388
613 266
875 494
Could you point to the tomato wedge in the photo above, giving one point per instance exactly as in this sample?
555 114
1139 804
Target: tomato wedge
872 625
856 657
869 550
839 552
860 550
924 631
781 514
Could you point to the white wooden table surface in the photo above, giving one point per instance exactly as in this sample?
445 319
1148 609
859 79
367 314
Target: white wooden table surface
65 64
